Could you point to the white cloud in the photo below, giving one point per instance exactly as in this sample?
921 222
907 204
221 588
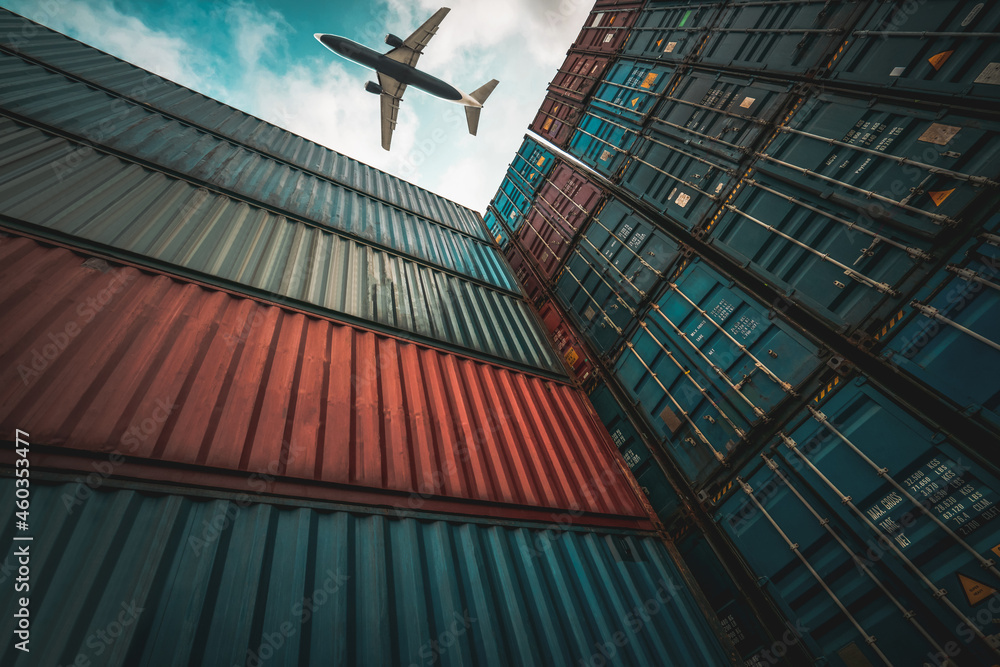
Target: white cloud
519 42
158 51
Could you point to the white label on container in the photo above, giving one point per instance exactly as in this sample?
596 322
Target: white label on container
975 10
672 193
609 37
669 48
589 313
897 71
990 75
683 199
745 104
605 156
597 19
718 188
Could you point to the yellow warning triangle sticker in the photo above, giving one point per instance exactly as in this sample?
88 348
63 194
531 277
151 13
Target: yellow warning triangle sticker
938 60
939 196
634 102
975 591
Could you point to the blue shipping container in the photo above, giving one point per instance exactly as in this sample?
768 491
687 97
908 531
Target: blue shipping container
779 37
707 363
615 264
630 89
603 141
884 476
142 577
644 467
952 340
530 166
689 156
670 31
937 46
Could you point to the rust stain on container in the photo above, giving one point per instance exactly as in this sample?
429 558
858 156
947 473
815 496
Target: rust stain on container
114 359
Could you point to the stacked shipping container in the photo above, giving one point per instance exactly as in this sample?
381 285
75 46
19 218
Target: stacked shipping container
786 297
256 373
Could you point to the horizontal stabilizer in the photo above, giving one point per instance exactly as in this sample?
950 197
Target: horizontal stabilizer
480 94
472 115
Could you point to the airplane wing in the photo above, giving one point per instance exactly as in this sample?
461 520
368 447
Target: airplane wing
413 46
392 94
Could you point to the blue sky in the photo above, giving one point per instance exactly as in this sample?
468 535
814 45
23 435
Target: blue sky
260 56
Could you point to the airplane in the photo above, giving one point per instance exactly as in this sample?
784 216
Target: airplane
397 69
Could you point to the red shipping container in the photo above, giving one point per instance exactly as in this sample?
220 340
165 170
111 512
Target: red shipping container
562 206
567 94
607 28
566 341
157 378
519 264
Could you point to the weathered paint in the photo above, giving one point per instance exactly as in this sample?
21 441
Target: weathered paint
136 132
154 218
126 80
138 578
197 380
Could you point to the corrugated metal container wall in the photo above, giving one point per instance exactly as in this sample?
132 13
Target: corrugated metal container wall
618 260
153 218
707 363
233 582
492 220
952 339
126 80
606 28
691 152
564 337
519 265
531 164
561 207
221 385
614 117
791 38
149 138
511 204
845 203
647 471
945 48
560 110
670 31
893 519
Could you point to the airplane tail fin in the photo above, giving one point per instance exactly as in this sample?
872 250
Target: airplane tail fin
479 94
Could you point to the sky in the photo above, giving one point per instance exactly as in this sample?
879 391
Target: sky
260 56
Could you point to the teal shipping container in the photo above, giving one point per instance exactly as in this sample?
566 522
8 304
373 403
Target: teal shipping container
157 578
874 530
707 363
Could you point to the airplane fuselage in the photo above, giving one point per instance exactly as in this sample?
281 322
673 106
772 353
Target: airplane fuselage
403 73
